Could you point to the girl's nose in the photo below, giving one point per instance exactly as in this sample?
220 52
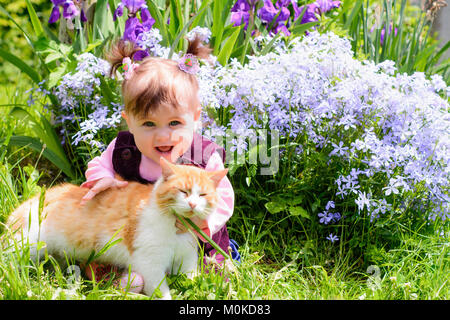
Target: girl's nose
163 134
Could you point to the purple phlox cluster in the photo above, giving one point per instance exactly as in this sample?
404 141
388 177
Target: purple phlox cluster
204 34
149 42
133 26
326 216
78 91
40 91
390 131
363 201
71 9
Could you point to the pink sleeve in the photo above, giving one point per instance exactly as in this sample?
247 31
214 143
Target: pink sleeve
225 206
100 167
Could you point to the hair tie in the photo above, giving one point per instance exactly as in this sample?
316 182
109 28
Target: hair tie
128 67
189 63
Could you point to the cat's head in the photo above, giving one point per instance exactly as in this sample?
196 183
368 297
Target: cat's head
188 190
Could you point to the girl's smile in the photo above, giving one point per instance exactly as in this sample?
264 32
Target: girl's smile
166 132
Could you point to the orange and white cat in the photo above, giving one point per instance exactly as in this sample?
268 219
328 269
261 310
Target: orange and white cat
141 215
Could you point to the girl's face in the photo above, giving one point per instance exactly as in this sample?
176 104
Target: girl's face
166 132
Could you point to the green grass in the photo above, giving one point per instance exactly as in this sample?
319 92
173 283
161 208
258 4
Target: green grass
418 269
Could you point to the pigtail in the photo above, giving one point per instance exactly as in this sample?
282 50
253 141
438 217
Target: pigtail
198 49
117 52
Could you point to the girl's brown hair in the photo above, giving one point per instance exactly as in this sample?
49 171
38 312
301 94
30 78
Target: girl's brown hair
155 81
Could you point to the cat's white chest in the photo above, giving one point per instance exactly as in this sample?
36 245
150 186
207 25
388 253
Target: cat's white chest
157 246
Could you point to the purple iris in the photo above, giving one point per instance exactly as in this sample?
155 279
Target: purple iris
133 26
383 32
268 12
133 7
327 5
240 12
314 10
70 10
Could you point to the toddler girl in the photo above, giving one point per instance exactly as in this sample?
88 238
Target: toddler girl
161 110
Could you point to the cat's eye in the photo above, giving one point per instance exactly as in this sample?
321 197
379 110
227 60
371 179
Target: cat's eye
202 194
183 191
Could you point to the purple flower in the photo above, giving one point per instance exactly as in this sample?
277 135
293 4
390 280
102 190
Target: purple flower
314 10
133 28
240 13
268 12
240 17
325 217
70 10
383 32
55 15
310 15
327 5
147 19
134 6
119 11
241 5
332 238
330 204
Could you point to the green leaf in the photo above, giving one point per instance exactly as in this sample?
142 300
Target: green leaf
227 49
35 144
47 135
300 29
176 17
182 32
21 65
299 211
160 24
353 14
275 207
201 14
103 24
38 30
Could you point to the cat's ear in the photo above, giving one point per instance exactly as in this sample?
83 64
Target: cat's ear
217 176
167 167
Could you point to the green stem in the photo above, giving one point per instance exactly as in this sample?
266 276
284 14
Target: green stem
183 220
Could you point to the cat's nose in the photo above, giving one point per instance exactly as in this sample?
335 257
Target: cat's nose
192 205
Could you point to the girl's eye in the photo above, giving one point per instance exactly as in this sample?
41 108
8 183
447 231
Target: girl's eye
174 123
149 124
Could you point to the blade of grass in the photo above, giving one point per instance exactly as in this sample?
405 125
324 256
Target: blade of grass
187 221
21 65
38 30
182 32
227 49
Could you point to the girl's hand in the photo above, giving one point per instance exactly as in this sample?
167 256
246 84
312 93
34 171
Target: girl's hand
182 229
101 185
